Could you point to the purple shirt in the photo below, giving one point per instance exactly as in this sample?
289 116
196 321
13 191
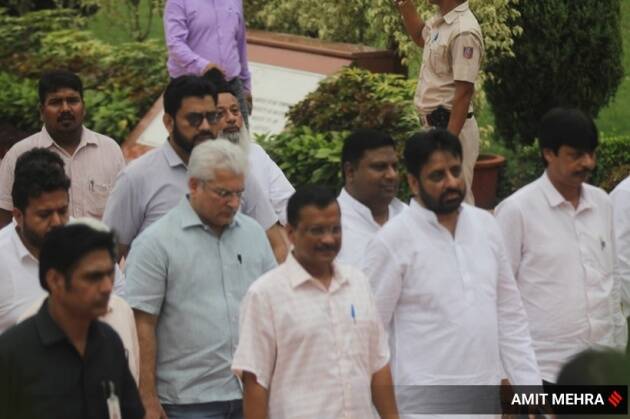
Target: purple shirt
199 32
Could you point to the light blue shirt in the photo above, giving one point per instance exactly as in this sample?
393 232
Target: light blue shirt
179 270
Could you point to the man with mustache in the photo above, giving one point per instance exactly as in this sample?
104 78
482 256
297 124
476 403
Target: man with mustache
186 276
155 183
444 287
312 344
40 193
369 164
92 160
63 362
559 237
262 167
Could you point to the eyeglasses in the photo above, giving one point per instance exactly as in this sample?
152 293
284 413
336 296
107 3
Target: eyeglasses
320 231
195 119
226 194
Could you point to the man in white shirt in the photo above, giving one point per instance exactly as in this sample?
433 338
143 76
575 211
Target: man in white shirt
620 197
261 166
443 284
156 182
558 232
40 193
368 199
311 342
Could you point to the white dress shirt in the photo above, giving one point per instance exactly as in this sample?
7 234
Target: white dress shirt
620 197
358 227
120 317
19 278
449 303
314 349
272 180
563 259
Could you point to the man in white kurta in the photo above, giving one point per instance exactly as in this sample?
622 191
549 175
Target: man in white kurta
368 199
443 284
558 232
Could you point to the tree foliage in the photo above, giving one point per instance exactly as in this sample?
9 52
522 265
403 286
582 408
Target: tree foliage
569 54
374 22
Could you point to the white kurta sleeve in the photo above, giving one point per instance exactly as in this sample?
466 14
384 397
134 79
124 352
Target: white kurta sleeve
385 273
510 222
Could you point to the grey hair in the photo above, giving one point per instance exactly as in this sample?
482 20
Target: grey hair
241 138
213 155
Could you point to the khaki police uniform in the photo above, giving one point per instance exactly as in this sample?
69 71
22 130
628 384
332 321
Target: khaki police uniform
453 50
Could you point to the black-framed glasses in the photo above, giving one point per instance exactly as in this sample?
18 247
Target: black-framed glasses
195 119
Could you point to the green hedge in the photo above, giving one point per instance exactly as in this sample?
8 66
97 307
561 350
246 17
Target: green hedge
524 165
121 81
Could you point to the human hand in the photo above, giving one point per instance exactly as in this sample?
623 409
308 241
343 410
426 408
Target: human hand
153 408
210 66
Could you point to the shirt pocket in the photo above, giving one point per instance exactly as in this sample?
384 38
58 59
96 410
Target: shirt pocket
97 193
439 59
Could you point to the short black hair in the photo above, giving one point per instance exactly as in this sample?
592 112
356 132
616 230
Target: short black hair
186 86
317 195
63 247
421 145
217 78
37 171
361 140
54 80
570 127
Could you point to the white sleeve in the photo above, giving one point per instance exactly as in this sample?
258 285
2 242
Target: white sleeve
255 203
515 343
385 273
510 222
621 224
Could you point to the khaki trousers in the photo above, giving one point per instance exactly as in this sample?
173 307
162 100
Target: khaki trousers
469 138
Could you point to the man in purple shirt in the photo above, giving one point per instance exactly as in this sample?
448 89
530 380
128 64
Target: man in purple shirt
206 34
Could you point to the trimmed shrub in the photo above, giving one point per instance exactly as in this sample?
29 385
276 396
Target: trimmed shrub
121 81
569 54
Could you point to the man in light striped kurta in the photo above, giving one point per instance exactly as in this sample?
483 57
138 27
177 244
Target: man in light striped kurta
311 341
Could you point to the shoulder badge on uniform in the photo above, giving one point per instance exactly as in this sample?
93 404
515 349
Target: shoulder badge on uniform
468 52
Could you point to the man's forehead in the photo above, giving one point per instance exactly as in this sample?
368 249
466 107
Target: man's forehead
194 103
227 99
63 92
441 159
380 153
49 200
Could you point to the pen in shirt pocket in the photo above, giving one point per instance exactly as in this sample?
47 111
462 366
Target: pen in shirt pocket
353 313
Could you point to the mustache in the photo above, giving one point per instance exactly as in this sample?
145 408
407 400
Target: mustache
450 191
66 116
326 248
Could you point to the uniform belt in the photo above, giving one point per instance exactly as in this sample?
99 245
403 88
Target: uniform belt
439 118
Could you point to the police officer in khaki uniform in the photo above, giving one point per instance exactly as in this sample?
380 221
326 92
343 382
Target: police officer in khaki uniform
453 51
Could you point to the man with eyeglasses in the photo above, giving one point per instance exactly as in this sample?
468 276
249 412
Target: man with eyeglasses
186 276
153 184
311 341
